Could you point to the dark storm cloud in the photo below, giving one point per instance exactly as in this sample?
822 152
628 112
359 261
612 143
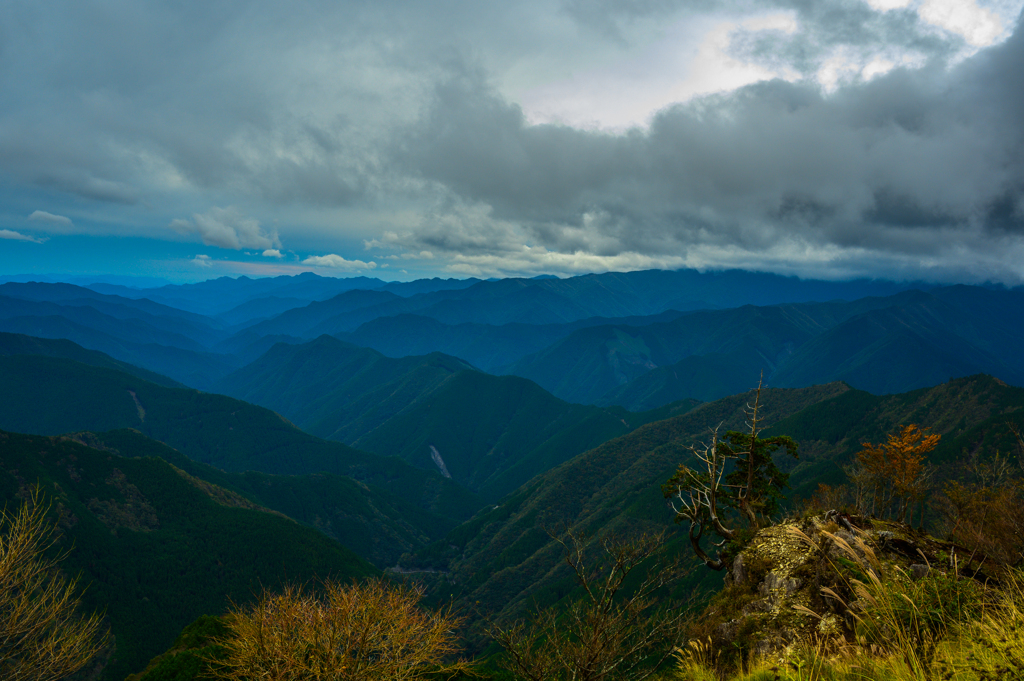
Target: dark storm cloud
396 123
854 26
609 17
884 165
120 101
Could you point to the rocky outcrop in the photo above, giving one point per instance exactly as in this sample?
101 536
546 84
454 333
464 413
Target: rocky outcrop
791 584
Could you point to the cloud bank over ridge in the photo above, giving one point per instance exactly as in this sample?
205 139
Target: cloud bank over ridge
834 138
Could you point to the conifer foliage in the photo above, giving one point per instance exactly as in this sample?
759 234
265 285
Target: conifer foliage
737 473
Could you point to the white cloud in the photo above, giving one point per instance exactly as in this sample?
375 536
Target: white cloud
17 236
272 253
227 228
422 255
337 262
202 261
978 25
49 218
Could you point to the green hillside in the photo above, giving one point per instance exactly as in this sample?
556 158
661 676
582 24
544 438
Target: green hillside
492 433
970 413
51 396
156 549
375 524
495 433
503 560
20 344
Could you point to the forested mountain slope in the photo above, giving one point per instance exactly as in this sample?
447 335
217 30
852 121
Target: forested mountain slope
155 549
377 525
50 396
883 345
503 558
20 344
491 433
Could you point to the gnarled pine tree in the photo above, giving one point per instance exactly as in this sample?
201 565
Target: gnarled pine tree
735 473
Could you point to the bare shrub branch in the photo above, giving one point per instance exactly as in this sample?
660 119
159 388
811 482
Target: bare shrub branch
42 636
612 632
374 631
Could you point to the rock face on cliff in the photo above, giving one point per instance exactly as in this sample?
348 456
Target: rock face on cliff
795 583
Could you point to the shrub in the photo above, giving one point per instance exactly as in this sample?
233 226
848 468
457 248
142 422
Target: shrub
374 631
42 637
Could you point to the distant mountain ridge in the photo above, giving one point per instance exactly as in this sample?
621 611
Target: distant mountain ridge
628 339
883 345
198 333
218 296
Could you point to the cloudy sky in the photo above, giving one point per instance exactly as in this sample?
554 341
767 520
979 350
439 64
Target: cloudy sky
400 139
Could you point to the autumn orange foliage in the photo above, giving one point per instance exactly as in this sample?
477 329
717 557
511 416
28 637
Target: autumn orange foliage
896 469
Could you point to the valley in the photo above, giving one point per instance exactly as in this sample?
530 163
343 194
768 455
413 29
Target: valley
200 443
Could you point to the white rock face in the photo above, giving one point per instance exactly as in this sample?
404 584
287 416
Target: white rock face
439 462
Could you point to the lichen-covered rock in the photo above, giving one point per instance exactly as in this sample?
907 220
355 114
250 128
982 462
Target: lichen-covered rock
773 598
739 570
918 571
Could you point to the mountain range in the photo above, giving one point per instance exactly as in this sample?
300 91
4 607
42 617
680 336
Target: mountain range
201 440
488 433
638 340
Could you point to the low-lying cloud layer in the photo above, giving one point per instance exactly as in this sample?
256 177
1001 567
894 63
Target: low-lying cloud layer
833 138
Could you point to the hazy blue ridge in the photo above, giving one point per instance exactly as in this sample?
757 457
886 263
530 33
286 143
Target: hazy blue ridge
883 345
20 344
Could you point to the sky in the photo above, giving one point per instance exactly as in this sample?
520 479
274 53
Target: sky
403 139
